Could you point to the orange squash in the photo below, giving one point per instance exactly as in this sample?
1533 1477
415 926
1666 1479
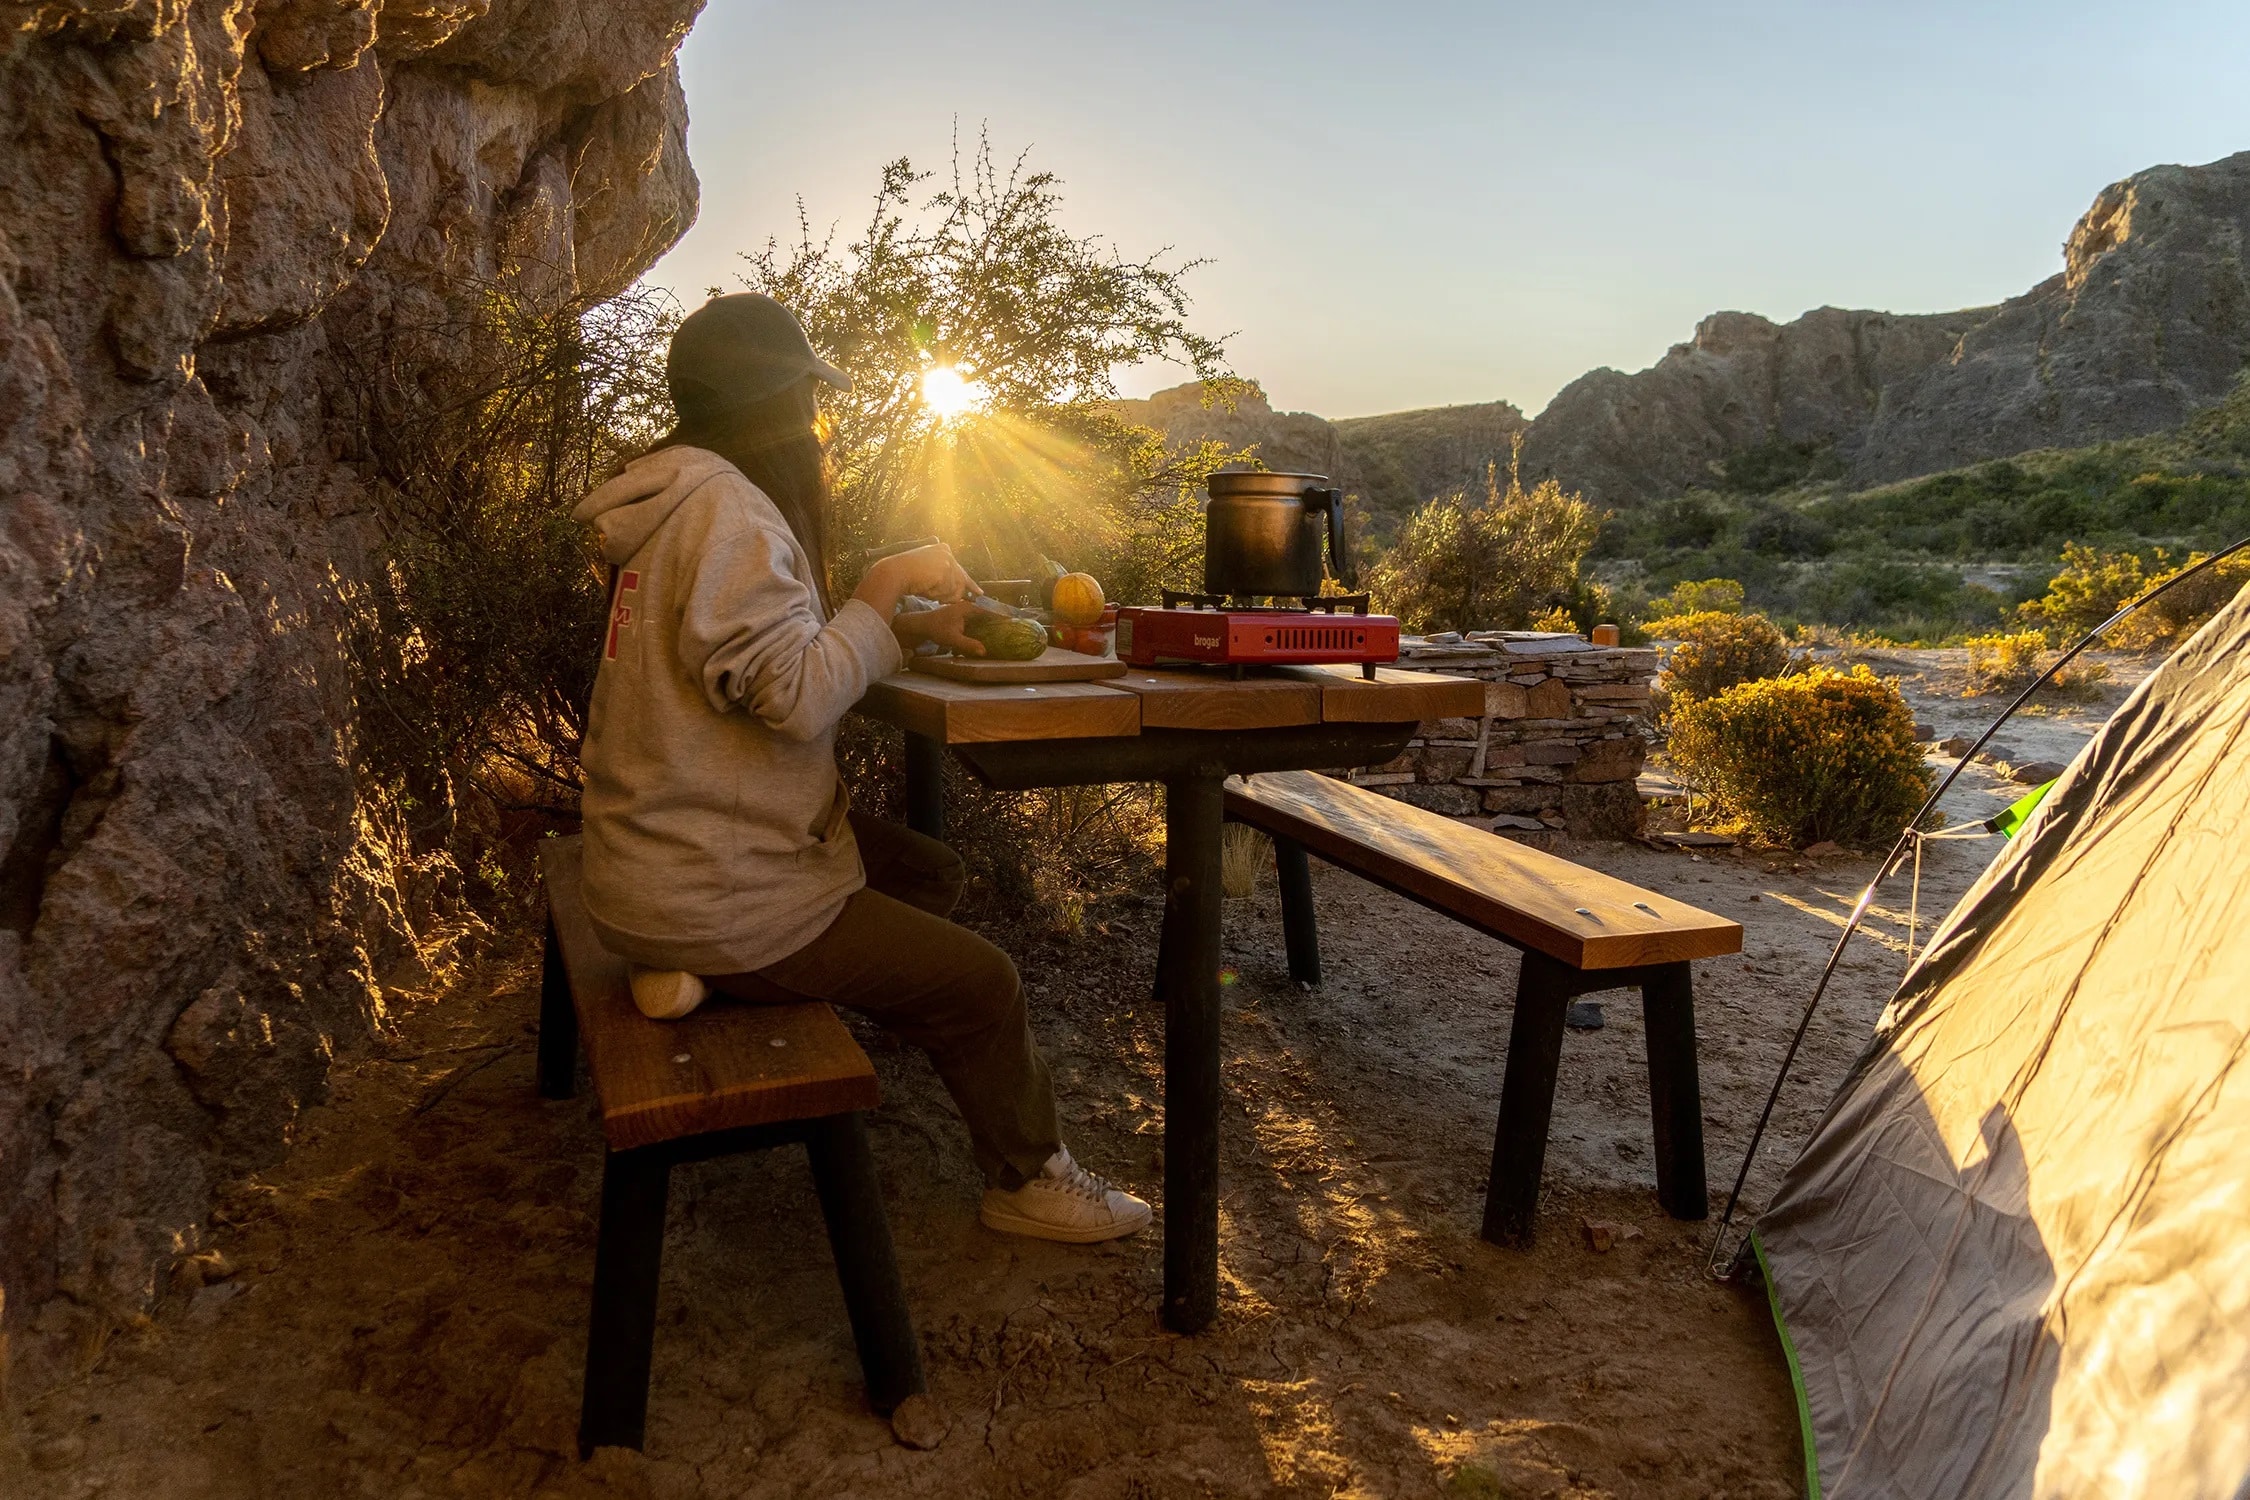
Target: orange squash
1078 600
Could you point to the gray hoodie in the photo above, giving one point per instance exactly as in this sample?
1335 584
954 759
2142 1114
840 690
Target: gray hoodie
716 840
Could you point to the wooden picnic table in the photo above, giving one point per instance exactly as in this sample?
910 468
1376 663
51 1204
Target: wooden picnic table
1189 730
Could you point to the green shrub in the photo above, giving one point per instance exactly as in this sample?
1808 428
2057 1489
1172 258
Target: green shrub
1496 565
2087 590
1717 651
1713 596
1817 756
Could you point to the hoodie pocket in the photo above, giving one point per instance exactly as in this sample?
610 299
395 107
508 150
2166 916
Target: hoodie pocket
838 821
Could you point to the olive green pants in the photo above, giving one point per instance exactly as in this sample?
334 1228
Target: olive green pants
892 955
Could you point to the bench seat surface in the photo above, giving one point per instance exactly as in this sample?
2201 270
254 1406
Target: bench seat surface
730 1064
1522 895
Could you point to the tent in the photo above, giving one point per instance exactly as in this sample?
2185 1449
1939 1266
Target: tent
2014 1258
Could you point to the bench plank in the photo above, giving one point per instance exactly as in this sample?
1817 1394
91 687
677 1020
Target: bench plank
735 1075
1522 895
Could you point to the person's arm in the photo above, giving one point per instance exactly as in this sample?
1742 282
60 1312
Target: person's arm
752 635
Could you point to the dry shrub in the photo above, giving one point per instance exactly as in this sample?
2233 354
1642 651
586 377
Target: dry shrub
1716 651
1047 854
2009 662
1817 756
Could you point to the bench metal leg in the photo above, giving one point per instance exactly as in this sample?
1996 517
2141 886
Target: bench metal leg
1675 1094
622 1332
1300 929
925 785
859 1233
1194 809
1527 1099
558 1024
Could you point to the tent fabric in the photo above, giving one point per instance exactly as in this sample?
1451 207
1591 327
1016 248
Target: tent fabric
2014 1258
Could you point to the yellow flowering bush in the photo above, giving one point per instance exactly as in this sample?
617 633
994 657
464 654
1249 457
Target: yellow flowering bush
1716 650
2005 662
1821 755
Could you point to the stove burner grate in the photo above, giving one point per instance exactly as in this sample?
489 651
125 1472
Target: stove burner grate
1319 604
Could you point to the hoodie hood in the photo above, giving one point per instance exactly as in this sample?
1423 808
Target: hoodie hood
627 510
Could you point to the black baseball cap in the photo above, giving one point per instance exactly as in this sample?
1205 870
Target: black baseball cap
738 349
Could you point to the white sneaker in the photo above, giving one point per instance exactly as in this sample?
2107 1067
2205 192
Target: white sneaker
1064 1202
666 994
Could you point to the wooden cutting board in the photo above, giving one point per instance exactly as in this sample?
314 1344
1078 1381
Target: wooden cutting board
1053 665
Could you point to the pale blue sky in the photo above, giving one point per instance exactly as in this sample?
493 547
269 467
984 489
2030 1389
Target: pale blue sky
1415 204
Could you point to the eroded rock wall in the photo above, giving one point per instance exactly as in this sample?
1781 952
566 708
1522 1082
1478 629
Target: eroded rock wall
2148 320
204 206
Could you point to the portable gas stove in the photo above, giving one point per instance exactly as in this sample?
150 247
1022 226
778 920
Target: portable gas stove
1209 630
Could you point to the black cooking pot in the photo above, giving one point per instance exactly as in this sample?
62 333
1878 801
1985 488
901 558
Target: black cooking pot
1262 534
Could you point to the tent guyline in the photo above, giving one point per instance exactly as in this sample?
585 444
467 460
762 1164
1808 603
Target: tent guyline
1726 1265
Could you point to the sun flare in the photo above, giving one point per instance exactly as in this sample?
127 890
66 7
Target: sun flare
949 393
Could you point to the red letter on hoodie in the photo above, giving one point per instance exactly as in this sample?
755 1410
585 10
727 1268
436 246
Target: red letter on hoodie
620 612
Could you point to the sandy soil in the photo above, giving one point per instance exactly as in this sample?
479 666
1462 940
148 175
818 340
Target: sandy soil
397 1309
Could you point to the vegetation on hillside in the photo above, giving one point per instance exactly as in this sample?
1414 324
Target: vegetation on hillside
1946 555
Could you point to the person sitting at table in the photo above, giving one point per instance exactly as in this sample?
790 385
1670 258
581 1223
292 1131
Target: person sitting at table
721 852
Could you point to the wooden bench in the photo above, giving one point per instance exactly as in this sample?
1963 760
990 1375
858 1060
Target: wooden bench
731 1077
1578 929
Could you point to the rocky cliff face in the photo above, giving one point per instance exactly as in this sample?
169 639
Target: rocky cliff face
1391 463
2148 320
204 205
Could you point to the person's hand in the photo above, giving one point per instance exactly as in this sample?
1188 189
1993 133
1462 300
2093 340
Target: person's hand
942 625
928 571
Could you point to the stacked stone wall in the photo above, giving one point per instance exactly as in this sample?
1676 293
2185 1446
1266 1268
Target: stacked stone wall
1564 733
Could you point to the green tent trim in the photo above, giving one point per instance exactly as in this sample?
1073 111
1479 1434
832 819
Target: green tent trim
1796 1371
2010 819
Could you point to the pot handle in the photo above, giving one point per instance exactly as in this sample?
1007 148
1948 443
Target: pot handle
1332 501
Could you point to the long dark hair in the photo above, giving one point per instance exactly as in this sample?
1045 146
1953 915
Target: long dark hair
776 444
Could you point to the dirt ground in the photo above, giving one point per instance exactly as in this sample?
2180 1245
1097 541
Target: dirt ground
398 1309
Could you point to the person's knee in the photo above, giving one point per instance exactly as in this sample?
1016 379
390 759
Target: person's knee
988 989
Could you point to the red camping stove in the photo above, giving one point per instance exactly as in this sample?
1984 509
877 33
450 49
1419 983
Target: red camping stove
1206 630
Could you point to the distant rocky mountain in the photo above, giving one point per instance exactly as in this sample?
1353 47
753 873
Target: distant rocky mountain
1403 458
1392 463
2148 321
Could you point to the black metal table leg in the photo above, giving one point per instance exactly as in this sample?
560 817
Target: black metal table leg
558 1024
925 785
622 1331
859 1234
1675 1093
1300 930
1194 808
1527 1099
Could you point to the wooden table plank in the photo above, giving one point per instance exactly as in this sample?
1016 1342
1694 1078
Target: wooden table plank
957 713
1393 697
730 1064
1172 698
1583 917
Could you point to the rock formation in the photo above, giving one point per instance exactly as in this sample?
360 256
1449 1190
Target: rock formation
2148 320
1289 442
1390 463
204 205
1405 458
